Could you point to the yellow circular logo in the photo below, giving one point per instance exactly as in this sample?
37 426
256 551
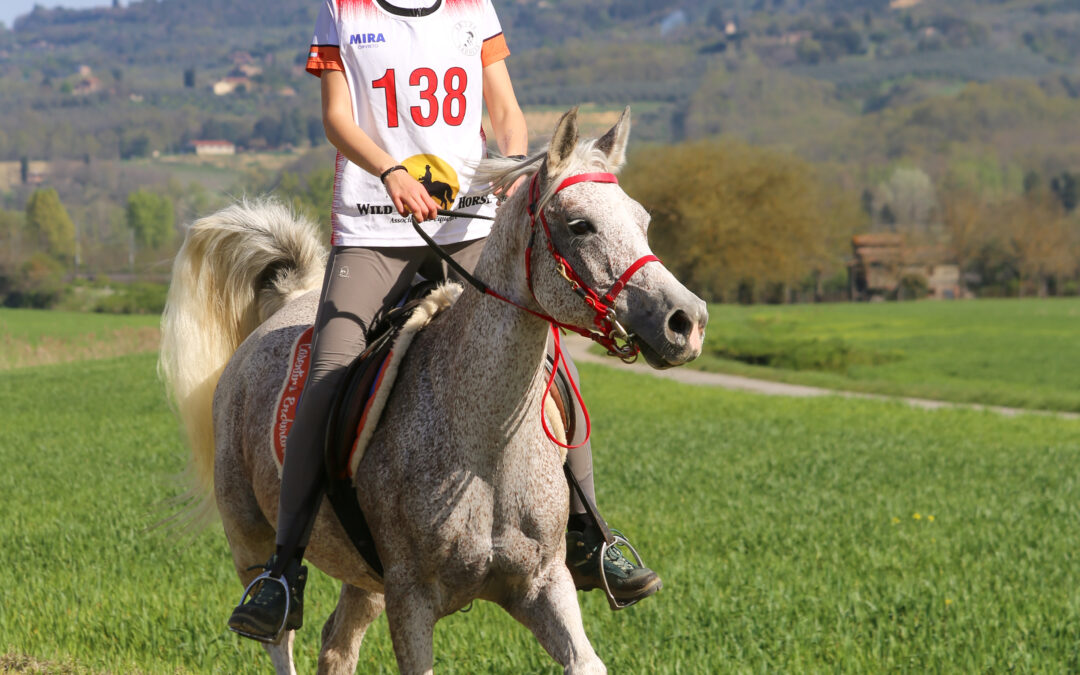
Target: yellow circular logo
437 176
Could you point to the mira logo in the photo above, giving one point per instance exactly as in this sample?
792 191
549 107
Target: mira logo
366 39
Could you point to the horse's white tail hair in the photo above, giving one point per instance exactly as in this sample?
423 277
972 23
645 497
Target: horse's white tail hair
235 269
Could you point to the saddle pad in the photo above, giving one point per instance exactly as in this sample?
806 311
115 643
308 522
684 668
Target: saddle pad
291 388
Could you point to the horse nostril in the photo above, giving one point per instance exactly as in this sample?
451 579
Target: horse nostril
680 324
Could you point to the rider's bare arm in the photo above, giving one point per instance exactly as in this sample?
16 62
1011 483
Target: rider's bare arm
507 120
408 195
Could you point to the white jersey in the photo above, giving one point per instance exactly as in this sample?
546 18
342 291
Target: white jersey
415 71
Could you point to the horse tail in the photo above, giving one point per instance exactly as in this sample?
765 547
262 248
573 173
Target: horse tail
235 268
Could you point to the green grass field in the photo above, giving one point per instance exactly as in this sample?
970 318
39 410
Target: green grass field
792 534
1023 353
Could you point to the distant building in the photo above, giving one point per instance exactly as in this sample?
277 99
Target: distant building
246 70
213 147
882 262
87 83
229 85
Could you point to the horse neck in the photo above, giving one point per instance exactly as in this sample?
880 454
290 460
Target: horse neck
502 354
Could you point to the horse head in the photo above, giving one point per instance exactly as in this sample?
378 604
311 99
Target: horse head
590 258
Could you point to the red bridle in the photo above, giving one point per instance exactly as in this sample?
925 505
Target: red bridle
607 332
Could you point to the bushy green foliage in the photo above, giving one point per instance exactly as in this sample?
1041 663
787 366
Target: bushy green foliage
726 215
37 283
828 354
150 216
134 298
49 226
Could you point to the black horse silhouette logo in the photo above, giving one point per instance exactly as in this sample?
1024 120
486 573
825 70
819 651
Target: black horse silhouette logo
437 189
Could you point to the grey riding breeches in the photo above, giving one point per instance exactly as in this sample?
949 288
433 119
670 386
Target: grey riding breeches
358 283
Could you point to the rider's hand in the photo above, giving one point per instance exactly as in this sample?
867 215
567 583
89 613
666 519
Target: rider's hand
507 193
410 197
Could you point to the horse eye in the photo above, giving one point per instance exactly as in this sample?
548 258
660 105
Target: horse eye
580 226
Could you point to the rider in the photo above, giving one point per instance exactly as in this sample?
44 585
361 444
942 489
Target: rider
402 91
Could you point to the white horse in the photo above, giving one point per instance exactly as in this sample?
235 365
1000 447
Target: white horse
464 493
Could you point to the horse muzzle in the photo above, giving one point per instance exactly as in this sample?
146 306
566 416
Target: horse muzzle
677 338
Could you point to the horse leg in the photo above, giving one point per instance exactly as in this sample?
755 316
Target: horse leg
344 630
281 654
411 616
551 611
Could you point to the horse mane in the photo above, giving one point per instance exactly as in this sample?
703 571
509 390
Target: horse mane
501 172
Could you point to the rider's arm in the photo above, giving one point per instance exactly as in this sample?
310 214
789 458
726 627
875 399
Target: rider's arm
408 194
507 120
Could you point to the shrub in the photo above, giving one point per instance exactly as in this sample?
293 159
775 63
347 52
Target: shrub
834 354
39 283
137 298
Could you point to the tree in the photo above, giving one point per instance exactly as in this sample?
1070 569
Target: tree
910 198
189 78
150 218
11 222
1067 188
965 216
727 216
49 226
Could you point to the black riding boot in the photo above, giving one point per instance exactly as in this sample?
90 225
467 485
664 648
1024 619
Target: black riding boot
263 616
628 582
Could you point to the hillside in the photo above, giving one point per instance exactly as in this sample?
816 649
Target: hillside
126 81
968 96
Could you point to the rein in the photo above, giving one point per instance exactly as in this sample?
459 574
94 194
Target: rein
608 332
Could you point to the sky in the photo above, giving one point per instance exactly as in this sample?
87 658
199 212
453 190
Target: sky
9 9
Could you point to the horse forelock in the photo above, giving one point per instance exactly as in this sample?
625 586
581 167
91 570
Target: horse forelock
502 172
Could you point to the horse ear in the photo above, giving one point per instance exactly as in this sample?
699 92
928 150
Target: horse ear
563 142
613 143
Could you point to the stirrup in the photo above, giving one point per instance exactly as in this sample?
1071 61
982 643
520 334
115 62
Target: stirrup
265 576
619 540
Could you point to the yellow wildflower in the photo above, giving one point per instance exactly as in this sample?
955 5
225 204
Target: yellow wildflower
916 516
895 520
930 517
948 601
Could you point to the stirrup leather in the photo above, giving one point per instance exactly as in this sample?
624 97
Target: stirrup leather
265 576
619 540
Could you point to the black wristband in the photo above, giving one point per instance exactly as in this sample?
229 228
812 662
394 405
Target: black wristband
382 178
517 157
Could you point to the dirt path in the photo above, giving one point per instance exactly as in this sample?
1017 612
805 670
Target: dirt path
579 349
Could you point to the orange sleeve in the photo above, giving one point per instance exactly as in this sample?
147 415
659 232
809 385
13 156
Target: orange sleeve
494 50
324 57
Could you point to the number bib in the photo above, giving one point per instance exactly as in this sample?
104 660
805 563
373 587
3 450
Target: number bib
415 71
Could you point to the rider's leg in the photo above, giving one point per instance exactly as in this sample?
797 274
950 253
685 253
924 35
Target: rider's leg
626 580
358 283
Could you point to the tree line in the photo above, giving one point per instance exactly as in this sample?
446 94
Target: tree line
737 223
